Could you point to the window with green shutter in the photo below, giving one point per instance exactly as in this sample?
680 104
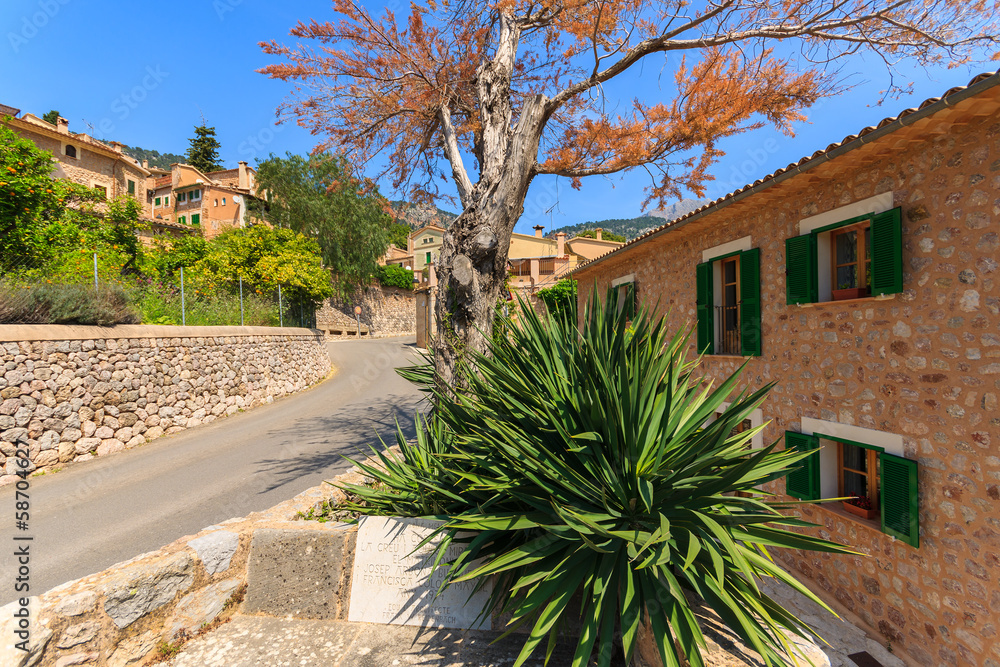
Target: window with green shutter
887 253
894 481
900 499
704 293
857 257
131 187
750 302
156 202
803 483
729 314
626 298
195 218
182 220
800 269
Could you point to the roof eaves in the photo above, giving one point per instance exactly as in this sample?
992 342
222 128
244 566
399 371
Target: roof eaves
851 142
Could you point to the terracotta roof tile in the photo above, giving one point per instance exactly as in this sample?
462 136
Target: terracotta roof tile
722 201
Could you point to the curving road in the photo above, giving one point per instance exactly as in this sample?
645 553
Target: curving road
92 515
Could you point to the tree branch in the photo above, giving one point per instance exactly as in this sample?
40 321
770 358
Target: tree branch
455 157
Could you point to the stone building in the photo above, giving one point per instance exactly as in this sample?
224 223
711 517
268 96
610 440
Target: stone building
95 164
211 202
863 280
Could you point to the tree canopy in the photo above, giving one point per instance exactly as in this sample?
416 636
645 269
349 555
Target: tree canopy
35 209
203 154
489 94
318 196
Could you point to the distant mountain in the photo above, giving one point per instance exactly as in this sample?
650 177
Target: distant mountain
156 159
417 216
683 207
627 227
632 228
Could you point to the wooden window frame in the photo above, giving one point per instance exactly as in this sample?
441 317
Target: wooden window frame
734 347
181 197
130 186
871 460
196 218
166 200
156 202
863 262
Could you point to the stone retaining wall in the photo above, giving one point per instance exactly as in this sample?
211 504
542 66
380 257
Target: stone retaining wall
118 617
385 311
74 392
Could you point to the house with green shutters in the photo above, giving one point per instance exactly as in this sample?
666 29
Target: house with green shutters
863 281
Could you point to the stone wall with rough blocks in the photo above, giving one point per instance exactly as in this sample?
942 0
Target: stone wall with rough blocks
924 364
118 617
385 311
74 392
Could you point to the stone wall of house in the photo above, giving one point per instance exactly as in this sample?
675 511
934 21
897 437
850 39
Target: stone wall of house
385 311
72 393
923 364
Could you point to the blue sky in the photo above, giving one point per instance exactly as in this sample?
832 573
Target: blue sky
145 73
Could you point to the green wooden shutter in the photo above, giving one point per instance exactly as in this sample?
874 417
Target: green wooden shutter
704 298
131 187
887 253
196 219
800 269
899 499
631 303
804 482
750 302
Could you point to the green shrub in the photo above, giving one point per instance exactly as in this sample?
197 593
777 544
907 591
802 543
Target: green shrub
560 296
392 275
586 464
51 303
161 304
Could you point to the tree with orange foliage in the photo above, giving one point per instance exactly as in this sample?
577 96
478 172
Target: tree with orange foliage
490 94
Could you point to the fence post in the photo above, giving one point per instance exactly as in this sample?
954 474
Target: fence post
95 272
281 319
183 316
241 300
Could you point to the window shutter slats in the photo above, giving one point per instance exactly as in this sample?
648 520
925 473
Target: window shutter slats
631 301
804 482
899 499
887 252
800 269
704 294
750 336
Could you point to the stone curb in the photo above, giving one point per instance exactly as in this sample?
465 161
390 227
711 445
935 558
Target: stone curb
116 618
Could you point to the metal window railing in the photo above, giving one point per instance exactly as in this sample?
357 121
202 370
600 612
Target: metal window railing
728 318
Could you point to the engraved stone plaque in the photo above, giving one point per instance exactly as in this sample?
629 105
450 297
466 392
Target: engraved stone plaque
392 583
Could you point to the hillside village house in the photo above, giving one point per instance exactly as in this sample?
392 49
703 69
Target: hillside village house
537 261
213 202
397 257
863 280
424 244
96 164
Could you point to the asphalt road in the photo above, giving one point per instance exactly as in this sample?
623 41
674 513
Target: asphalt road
92 515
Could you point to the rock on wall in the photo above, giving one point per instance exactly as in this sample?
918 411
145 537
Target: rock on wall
72 393
385 311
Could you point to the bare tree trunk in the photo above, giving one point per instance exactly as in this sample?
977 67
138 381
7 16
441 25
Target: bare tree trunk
473 261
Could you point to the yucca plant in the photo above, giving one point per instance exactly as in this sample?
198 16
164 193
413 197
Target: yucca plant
587 463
